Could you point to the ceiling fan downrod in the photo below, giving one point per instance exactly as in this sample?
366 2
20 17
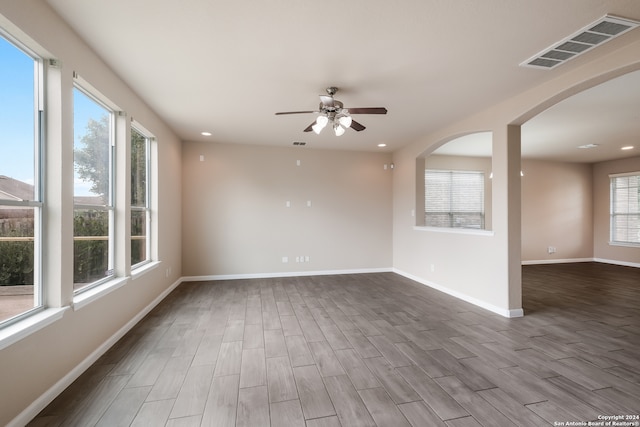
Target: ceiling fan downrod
331 90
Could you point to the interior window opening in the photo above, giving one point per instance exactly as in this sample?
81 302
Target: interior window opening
454 184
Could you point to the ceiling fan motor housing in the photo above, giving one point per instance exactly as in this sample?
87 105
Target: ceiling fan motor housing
335 108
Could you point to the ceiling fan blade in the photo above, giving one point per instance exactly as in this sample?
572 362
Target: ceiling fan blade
357 126
310 127
373 110
295 112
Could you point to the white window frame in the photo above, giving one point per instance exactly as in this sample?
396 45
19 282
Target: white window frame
87 90
37 202
613 179
147 208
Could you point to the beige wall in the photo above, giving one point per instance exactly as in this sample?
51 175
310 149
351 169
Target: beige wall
557 206
486 269
566 205
236 221
468 264
602 249
31 367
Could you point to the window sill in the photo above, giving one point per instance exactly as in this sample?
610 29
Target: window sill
626 245
85 298
470 231
145 268
23 328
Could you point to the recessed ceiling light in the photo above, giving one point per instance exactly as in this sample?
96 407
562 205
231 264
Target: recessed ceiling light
382 145
628 147
205 133
588 146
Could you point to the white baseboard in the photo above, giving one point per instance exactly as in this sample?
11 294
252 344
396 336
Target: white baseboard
571 260
556 261
284 274
517 312
623 263
47 397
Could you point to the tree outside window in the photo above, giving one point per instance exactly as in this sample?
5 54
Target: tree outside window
93 207
140 212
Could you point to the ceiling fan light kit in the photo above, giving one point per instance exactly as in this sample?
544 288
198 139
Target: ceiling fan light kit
332 111
339 123
345 121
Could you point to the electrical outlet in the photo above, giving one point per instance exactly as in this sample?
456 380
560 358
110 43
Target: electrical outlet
285 259
551 249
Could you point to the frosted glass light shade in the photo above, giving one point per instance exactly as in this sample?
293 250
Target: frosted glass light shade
345 121
322 121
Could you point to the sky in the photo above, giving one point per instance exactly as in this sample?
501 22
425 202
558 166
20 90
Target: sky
16 113
17 116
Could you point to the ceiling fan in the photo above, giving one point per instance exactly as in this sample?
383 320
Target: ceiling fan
332 111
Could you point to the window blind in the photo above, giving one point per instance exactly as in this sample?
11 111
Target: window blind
625 208
454 199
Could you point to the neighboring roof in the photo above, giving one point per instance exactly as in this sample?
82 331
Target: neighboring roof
13 189
89 200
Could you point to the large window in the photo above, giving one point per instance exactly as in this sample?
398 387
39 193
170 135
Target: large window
20 189
140 210
625 208
454 199
93 219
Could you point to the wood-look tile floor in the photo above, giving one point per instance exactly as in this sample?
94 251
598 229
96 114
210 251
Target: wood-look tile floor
370 350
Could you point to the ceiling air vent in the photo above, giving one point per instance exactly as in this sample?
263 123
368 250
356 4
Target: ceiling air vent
595 34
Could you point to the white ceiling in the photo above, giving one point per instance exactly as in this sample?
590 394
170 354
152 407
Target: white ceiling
227 66
607 116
